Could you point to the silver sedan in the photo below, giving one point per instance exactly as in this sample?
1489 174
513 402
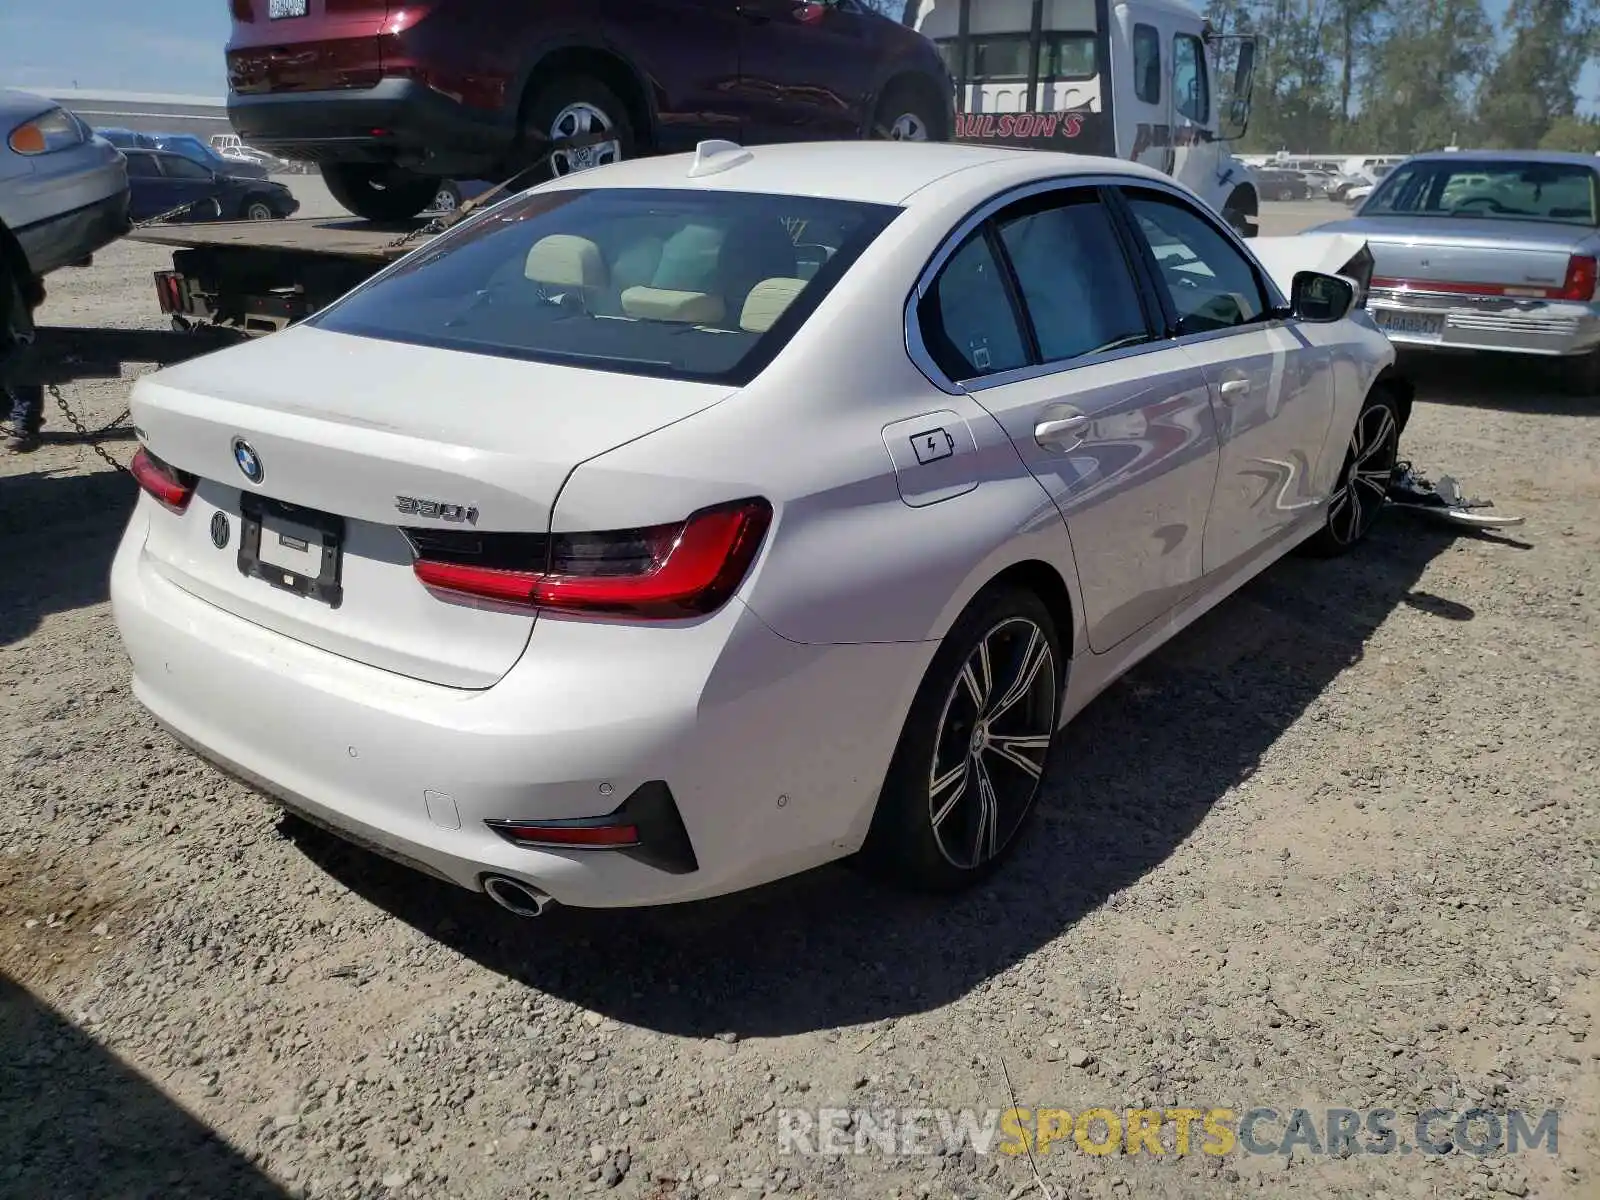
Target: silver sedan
1489 251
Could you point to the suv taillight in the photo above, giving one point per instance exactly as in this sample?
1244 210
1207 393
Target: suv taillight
681 570
172 487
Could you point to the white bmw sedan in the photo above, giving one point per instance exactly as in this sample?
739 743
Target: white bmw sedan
681 525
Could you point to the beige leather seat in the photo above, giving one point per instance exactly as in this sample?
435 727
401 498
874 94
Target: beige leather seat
567 262
767 302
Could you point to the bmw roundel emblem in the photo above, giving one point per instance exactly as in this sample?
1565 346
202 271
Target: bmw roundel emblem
249 462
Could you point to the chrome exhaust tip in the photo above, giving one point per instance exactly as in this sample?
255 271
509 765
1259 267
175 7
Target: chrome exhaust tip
515 896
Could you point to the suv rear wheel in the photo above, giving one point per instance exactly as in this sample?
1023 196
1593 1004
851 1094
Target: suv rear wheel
578 109
904 116
379 193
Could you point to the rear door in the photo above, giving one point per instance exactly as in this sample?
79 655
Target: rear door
805 70
305 45
149 191
189 183
1040 315
1271 379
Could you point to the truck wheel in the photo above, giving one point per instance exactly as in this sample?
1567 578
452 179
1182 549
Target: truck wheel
379 193
577 108
904 116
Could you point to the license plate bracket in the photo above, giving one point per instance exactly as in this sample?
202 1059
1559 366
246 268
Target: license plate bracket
298 550
1425 325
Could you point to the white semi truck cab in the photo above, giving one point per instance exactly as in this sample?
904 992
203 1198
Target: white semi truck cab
1131 79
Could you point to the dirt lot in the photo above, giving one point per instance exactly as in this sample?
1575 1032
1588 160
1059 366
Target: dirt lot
1336 846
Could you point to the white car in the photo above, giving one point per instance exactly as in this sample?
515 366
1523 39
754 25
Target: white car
694 521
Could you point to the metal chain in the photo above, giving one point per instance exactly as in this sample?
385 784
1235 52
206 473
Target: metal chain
89 437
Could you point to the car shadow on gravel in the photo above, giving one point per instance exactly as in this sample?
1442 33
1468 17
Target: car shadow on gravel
1134 775
76 1122
1501 381
58 534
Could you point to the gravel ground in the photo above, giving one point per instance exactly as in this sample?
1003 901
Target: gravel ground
1335 846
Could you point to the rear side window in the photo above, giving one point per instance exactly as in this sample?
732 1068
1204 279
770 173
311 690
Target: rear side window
142 166
679 283
968 322
1076 284
1147 63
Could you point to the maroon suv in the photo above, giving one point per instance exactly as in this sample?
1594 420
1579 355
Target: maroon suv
391 97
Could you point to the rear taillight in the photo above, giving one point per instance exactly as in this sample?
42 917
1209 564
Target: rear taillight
169 292
1581 279
1580 283
172 487
680 570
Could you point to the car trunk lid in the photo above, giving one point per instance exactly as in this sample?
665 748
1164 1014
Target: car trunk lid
1473 254
373 439
305 45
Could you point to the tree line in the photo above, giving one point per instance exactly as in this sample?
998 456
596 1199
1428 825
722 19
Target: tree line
1401 76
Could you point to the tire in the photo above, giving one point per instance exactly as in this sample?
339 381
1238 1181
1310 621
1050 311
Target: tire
571 106
447 198
379 193
1358 498
903 116
910 841
257 209
1580 374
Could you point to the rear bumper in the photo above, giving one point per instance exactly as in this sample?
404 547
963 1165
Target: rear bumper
396 120
74 236
773 752
1494 323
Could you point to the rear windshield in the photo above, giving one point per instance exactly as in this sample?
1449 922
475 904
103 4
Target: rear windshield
1496 190
679 283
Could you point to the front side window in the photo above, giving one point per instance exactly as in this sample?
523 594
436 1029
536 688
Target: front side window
1147 63
1212 285
178 167
1496 189
1191 89
681 283
142 166
967 319
1076 285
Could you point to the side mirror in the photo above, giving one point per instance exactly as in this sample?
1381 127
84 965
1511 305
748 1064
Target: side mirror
1238 110
1321 299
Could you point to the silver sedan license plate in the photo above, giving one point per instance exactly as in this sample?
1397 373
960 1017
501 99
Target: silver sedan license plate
1422 325
278 9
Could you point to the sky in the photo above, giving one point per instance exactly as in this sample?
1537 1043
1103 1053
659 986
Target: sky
176 45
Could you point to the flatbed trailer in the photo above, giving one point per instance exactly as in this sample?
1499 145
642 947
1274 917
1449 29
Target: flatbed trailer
255 277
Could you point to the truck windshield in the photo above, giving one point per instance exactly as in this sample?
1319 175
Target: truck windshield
1498 189
679 283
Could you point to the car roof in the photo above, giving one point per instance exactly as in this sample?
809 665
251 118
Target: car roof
1554 157
872 172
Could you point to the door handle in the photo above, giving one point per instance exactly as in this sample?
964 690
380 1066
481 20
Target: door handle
1234 389
1056 433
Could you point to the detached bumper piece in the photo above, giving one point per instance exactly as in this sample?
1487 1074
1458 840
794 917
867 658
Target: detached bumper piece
1410 489
646 827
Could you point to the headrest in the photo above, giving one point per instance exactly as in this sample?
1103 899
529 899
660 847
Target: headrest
663 304
563 260
767 301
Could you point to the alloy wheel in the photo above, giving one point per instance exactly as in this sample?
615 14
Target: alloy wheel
582 120
908 127
1369 466
991 742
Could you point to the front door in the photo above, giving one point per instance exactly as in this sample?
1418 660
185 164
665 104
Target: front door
1270 379
1040 314
805 70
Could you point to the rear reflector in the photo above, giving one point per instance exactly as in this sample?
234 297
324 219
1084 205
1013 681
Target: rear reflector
577 836
172 487
646 827
664 571
1578 286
